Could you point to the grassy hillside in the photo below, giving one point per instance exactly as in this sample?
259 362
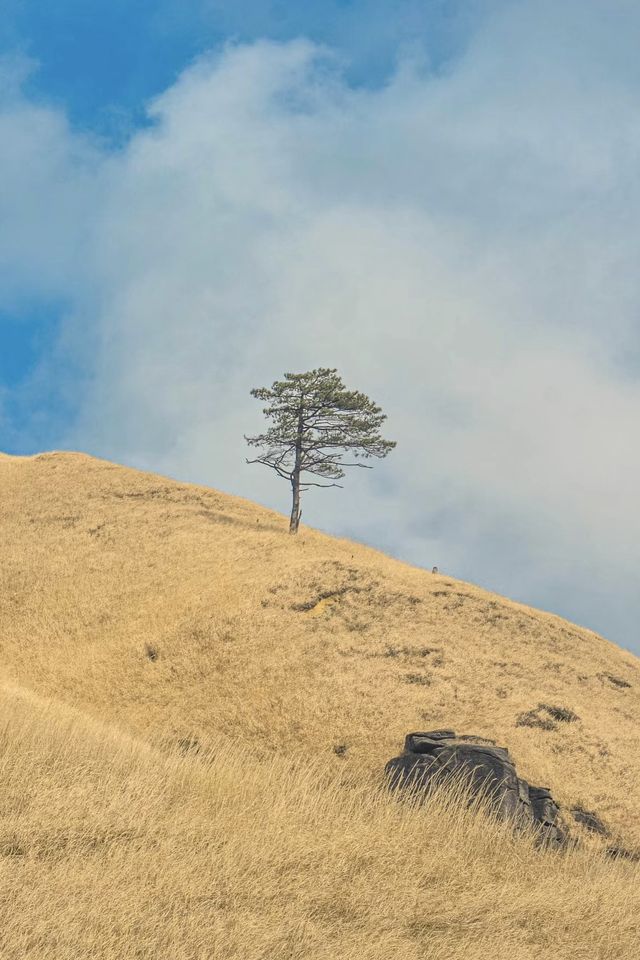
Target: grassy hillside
171 658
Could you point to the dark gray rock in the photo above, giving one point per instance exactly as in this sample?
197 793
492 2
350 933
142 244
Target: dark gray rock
434 757
621 853
590 820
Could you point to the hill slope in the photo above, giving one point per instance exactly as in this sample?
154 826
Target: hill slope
112 851
179 639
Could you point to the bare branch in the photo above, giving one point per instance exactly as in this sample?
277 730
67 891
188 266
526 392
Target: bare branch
309 483
267 463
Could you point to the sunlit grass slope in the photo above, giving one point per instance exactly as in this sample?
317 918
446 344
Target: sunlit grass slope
111 850
171 657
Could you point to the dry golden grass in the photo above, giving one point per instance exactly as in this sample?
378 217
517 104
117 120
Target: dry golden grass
171 656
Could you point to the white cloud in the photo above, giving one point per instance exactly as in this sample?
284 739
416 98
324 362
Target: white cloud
462 247
47 193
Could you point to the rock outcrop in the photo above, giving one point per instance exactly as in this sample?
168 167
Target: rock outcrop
437 755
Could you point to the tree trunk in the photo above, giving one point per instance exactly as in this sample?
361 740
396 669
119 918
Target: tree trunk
294 522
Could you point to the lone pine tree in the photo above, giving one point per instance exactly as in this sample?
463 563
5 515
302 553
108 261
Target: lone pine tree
316 422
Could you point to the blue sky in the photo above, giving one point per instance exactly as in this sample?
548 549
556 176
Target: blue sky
104 59
102 62
438 197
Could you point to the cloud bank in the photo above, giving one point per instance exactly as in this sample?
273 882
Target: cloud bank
462 245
